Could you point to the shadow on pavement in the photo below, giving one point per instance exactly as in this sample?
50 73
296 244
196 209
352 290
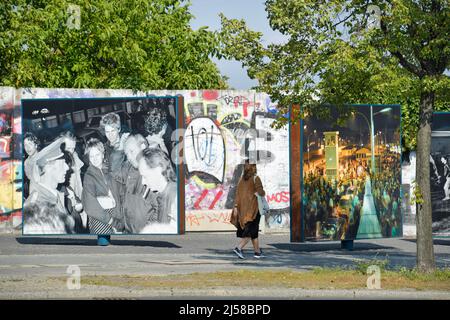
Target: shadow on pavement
279 260
306 256
439 242
327 246
93 242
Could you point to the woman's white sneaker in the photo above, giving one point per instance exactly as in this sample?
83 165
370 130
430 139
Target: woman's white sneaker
238 253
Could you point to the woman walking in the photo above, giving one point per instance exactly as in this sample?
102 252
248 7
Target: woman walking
246 206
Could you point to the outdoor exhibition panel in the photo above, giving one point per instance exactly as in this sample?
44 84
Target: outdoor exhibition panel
352 174
101 165
440 174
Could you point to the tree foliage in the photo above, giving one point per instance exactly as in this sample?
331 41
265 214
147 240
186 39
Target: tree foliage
137 44
333 56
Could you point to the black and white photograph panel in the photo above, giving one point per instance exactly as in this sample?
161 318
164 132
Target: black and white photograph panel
99 166
440 174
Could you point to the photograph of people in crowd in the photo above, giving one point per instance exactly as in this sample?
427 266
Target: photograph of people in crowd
352 174
440 174
99 166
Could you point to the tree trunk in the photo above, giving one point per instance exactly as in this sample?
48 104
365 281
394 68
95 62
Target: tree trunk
425 252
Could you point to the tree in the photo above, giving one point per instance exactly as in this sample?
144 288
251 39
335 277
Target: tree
357 51
135 44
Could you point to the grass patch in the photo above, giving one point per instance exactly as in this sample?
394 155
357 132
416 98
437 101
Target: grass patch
414 274
363 265
320 278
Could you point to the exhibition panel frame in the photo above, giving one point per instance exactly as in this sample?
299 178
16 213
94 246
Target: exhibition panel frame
67 190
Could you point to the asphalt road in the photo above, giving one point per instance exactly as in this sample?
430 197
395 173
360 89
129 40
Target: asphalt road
195 252
40 258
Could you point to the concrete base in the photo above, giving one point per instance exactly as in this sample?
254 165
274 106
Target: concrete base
347 245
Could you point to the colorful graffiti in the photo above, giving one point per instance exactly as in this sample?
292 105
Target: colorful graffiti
10 186
226 127
10 162
204 149
199 220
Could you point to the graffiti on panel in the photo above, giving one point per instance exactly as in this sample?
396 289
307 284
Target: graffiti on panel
205 150
10 186
239 101
5 143
271 152
210 151
234 126
10 161
200 220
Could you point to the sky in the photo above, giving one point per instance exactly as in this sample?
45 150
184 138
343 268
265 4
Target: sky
206 13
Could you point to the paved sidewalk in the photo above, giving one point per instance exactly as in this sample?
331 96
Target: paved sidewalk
195 252
25 258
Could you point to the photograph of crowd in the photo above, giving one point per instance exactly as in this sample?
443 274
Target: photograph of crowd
352 174
99 166
440 174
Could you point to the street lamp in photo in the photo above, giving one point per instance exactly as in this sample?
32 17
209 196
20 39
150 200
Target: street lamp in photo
309 135
372 134
372 114
378 146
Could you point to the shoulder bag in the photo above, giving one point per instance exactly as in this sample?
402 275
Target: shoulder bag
263 206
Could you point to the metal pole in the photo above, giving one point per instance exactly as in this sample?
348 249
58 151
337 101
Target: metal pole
309 164
372 139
